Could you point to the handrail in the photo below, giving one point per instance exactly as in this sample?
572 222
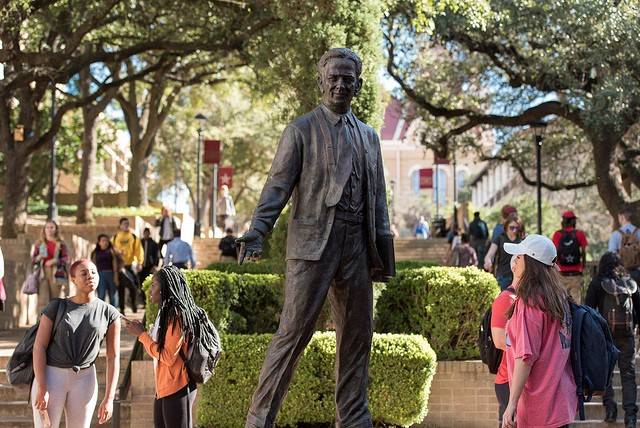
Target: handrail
125 384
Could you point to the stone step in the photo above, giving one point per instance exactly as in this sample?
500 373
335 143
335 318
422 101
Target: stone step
596 423
19 412
594 410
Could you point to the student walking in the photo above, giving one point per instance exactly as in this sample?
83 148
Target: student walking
179 318
128 246
499 310
106 260
167 225
51 254
542 392
513 232
571 244
463 254
179 253
151 251
626 242
615 295
63 360
479 234
227 247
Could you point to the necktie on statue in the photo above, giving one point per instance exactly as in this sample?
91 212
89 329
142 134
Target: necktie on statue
343 167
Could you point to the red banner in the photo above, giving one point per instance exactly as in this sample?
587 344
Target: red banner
225 176
440 161
212 151
426 178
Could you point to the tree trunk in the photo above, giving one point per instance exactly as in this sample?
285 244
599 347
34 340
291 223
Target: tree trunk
89 149
135 179
14 213
607 181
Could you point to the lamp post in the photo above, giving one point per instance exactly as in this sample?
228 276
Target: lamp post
538 130
52 211
201 119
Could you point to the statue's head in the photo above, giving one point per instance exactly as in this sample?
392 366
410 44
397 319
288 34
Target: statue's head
339 79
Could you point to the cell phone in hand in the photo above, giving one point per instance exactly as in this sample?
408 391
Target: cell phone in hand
242 252
44 417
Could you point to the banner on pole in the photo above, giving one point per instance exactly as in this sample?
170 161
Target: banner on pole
225 176
426 178
212 151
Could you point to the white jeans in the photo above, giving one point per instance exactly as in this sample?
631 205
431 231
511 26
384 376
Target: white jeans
75 393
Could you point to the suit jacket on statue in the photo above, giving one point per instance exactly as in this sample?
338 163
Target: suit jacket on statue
302 170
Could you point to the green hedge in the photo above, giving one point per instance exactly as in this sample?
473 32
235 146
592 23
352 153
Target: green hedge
401 370
443 304
235 303
263 266
243 303
270 266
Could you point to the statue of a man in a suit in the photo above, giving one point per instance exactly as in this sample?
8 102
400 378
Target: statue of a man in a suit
329 163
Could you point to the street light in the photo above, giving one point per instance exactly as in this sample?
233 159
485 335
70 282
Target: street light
538 131
201 119
52 211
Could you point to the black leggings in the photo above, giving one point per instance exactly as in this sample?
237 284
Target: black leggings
175 410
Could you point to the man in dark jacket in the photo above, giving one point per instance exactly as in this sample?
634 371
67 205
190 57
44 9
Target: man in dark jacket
615 295
151 255
330 164
479 234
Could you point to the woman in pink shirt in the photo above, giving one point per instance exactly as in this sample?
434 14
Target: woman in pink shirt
542 389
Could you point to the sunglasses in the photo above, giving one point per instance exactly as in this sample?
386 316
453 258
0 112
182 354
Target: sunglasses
514 228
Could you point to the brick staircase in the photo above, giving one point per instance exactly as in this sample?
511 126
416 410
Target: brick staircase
433 249
15 411
594 410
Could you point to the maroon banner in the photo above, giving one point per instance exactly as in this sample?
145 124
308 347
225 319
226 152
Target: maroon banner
212 151
225 176
426 178
440 161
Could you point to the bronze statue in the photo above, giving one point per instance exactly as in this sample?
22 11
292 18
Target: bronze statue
329 163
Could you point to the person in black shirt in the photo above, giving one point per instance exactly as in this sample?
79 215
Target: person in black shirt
151 255
227 246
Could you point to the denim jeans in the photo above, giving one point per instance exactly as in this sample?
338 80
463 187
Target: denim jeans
627 366
108 285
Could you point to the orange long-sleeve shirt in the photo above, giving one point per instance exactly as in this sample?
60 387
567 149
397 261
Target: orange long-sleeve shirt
171 373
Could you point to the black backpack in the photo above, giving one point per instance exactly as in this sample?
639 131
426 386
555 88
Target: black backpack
593 353
20 365
569 253
202 357
489 354
617 305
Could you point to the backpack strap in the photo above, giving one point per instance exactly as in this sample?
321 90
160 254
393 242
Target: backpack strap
62 307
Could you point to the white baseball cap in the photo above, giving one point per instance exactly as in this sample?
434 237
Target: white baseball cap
537 247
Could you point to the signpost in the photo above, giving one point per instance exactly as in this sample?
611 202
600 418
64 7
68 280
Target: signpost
212 155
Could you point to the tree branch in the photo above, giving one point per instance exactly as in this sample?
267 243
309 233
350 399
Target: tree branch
553 187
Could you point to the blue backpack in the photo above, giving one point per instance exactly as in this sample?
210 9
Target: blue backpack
593 354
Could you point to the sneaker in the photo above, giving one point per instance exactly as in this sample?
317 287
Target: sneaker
611 414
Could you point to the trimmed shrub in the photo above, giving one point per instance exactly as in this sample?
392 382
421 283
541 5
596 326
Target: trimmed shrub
235 303
262 266
270 266
443 304
414 264
243 303
401 370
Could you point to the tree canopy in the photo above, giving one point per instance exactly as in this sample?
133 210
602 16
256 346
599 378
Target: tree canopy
47 44
506 65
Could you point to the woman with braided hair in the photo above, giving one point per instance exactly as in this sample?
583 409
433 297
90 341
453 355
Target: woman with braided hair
178 320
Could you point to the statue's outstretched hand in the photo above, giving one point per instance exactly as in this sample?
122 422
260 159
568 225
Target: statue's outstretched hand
249 246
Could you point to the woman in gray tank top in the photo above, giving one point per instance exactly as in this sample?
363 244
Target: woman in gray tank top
64 356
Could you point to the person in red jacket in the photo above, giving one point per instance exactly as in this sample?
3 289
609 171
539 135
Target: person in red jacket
571 245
